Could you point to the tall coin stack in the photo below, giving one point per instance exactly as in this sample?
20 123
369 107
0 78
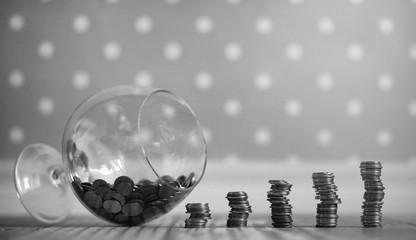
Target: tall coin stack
326 192
281 209
200 214
374 193
240 209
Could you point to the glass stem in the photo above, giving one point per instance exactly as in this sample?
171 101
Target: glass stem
57 176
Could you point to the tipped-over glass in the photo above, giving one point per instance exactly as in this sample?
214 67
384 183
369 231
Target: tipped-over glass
129 154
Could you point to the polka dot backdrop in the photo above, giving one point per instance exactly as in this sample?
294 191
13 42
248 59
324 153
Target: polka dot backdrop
289 79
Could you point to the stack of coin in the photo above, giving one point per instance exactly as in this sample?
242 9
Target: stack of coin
326 192
281 209
240 209
200 214
374 194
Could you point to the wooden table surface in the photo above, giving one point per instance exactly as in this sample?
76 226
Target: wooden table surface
172 227
399 210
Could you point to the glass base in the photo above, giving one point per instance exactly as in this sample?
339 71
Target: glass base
41 184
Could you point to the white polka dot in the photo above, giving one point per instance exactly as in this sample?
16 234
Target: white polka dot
296 2
144 136
324 137
81 80
113 109
143 24
234 1
81 24
412 108
262 136
207 134
172 51
204 80
112 51
16 78
46 49
172 2
16 135
385 82
46 106
357 2
233 51
293 107
204 25
16 22
294 52
264 25
326 25
386 25
355 52
263 81
168 111
412 52
325 81
354 108
112 1
143 79
384 137
412 160
232 107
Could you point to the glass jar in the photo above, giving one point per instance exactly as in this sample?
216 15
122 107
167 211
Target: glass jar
129 154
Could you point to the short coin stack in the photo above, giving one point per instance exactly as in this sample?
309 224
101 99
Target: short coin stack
326 192
281 209
200 214
240 209
374 194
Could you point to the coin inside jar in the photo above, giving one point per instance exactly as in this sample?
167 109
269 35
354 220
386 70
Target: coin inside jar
112 206
126 202
132 209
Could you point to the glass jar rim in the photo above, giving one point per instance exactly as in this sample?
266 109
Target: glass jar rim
154 92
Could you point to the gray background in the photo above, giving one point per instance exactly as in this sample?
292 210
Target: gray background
300 79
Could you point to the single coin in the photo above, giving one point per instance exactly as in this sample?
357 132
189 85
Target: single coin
190 180
93 199
132 209
112 206
148 188
99 182
123 179
139 201
119 198
124 188
105 192
181 179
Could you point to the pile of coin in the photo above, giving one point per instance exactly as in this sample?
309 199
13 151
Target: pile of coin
128 203
373 195
240 209
326 192
200 214
281 209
